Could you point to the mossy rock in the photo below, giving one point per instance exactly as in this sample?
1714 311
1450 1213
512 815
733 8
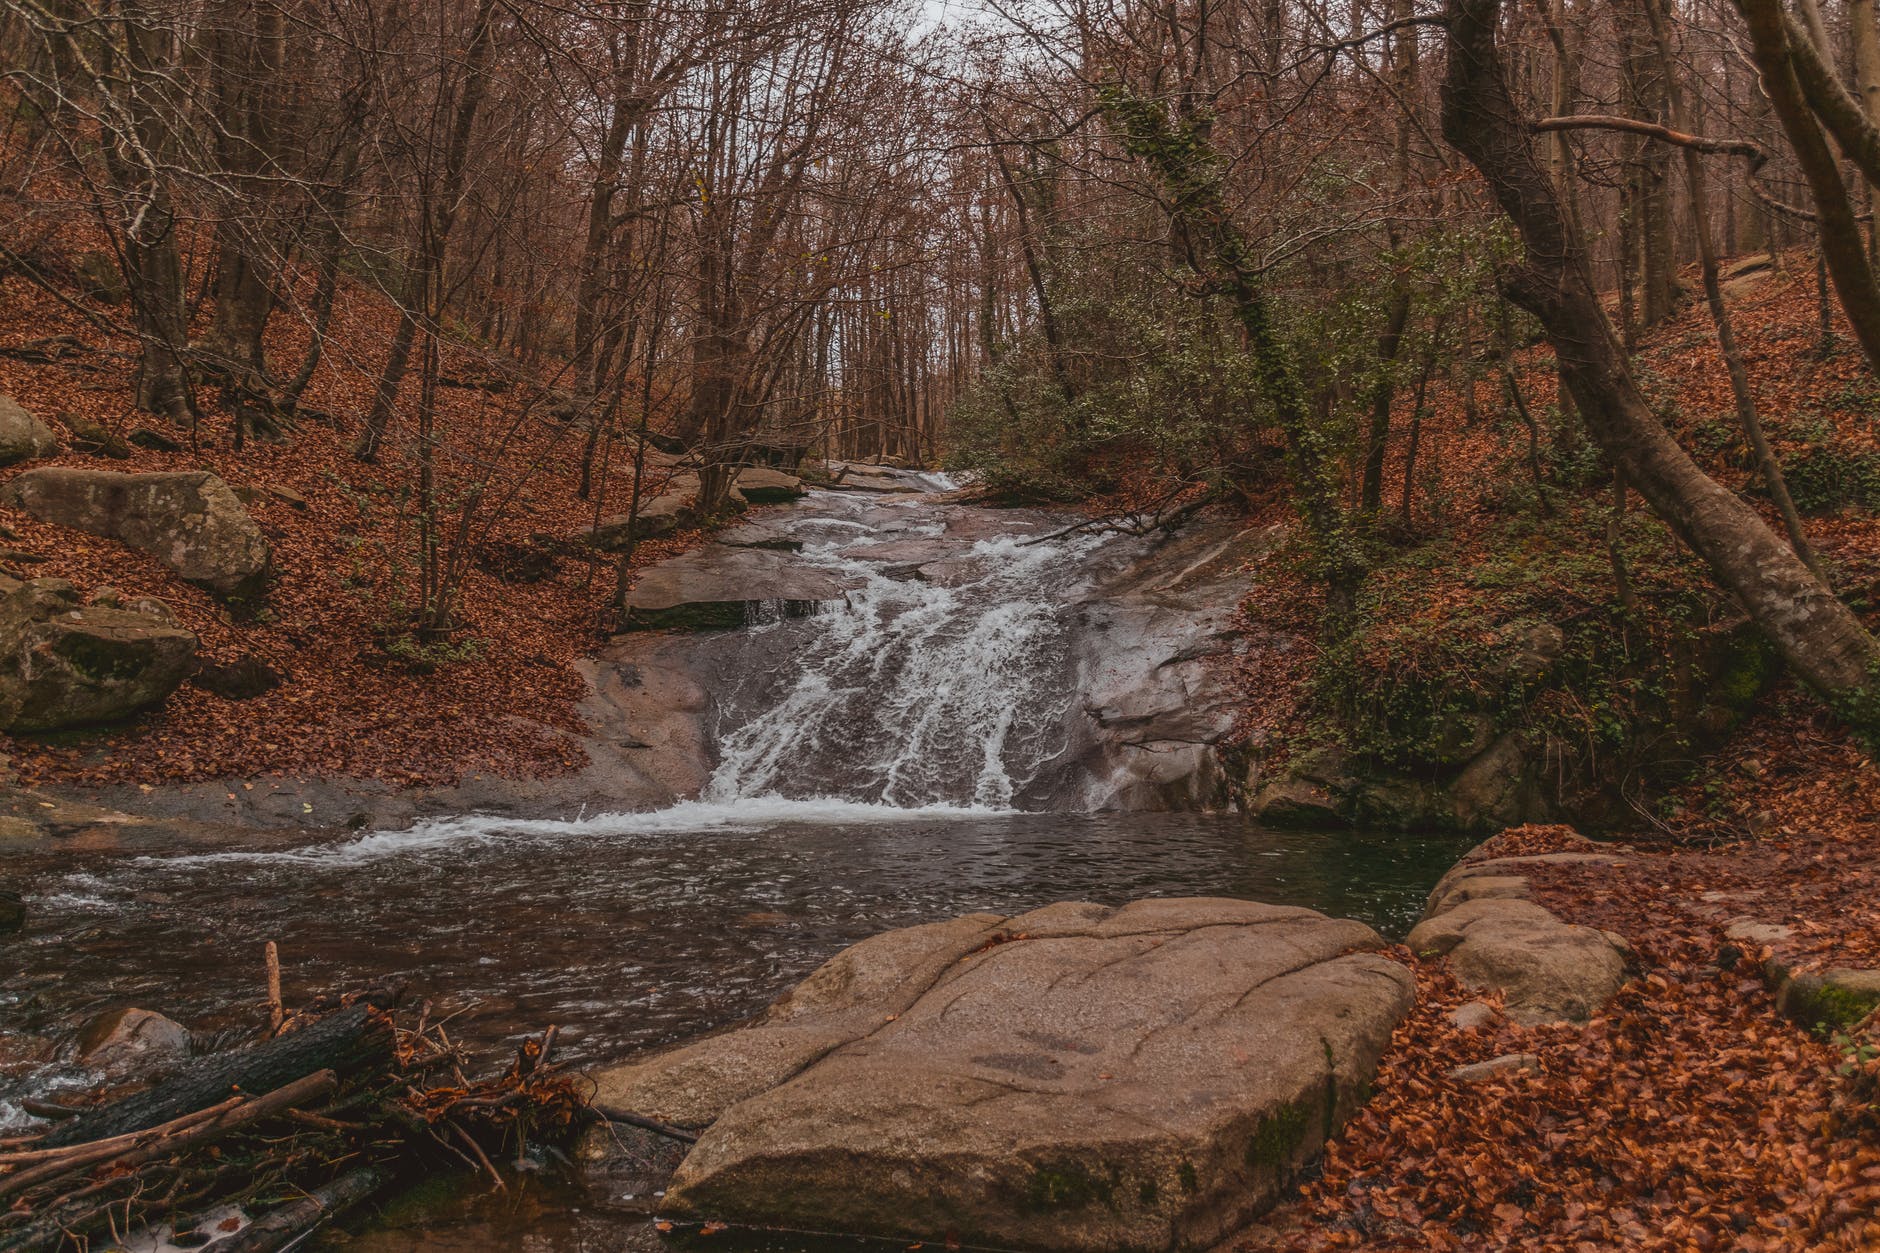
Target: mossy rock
1831 1000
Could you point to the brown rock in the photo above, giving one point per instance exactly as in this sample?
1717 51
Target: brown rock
126 1043
1077 1078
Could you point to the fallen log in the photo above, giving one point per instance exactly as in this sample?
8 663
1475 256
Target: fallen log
188 1133
349 1042
282 1228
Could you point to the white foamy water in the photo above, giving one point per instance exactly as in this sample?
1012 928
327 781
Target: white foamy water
745 814
942 682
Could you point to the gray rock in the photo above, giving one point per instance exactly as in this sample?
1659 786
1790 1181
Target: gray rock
662 515
1750 931
1827 1000
94 437
1506 1064
1473 1016
22 436
719 587
191 522
1547 970
101 278
67 665
1076 1078
1492 791
763 486
132 1043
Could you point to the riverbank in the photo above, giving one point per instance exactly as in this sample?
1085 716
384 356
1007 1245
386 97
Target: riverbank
1702 1108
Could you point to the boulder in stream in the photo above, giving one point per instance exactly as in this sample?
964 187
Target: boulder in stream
1076 1078
132 1043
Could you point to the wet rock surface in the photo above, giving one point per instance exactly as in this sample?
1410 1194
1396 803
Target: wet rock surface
1077 1077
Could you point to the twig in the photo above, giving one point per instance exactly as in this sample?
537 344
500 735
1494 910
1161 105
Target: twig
614 1114
481 1156
225 1120
277 1012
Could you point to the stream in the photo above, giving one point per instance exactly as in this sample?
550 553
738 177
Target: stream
900 755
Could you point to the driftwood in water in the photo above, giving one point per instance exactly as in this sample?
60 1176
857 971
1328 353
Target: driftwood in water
190 1131
353 1040
285 1226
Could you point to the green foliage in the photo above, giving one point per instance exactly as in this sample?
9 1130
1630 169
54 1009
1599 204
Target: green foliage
1827 476
1157 385
1451 649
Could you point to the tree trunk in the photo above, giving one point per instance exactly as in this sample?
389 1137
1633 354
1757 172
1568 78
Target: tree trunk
1818 635
1746 414
437 212
1843 250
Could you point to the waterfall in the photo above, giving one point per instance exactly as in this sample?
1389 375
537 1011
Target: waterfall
943 681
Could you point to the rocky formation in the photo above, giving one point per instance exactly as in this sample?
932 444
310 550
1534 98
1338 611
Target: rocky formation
192 522
763 486
64 664
724 586
1157 698
22 436
677 506
132 1043
1498 940
1478 766
1075 1078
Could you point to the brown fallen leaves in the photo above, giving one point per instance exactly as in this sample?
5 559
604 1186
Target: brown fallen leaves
344 561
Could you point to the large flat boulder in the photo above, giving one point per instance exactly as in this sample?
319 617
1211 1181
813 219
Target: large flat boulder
22 436
722 586
1076 1078
764 486
192 522
661 515
64 664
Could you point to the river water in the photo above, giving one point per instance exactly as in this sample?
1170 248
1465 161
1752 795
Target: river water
880 770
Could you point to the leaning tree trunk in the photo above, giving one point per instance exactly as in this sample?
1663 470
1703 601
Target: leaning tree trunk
1818 635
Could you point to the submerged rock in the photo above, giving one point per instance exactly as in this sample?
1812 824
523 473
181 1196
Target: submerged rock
132 1043
191 522
63 664
1076 1078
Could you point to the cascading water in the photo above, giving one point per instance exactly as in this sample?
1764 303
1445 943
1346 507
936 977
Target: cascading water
889 760
936 682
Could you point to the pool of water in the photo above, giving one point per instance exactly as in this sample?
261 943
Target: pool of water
624 931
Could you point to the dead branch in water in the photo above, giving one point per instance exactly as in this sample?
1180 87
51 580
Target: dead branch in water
325 1110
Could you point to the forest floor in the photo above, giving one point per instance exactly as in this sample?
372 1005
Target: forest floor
345 554
1687 1114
